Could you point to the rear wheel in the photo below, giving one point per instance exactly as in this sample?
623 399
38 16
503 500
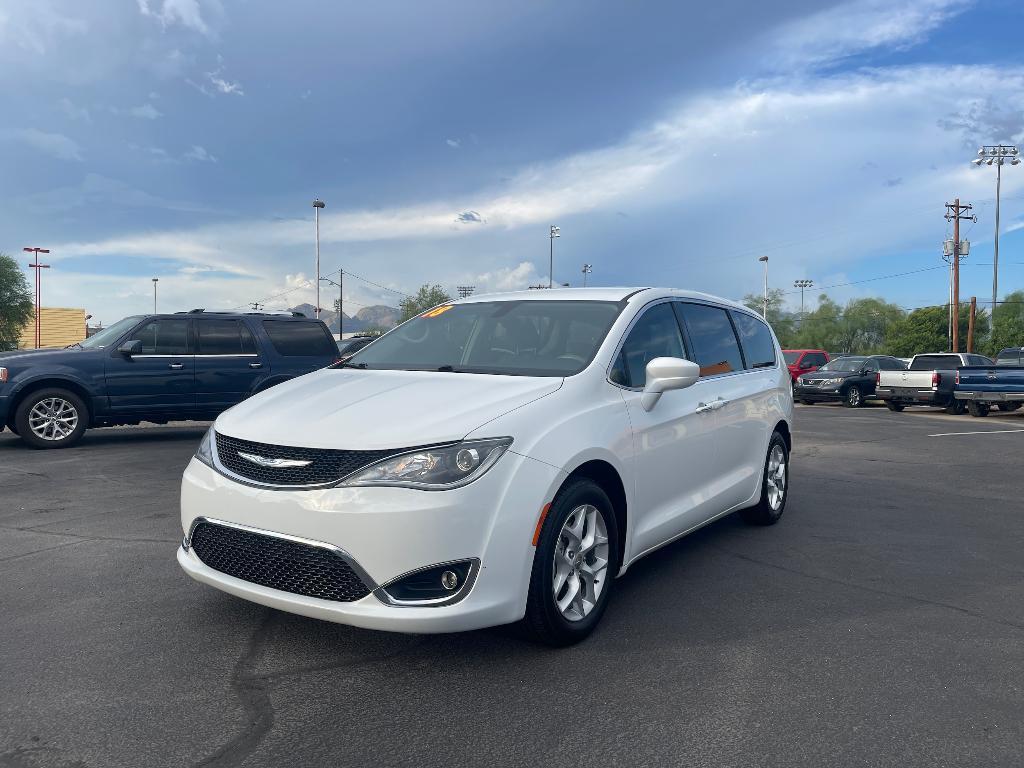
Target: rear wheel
574 565
956 408
977 409
51 418
853 397
894 406
1010 406
774 485
807 402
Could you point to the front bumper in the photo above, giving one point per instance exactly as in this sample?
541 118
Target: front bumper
5 415
388 532
816 393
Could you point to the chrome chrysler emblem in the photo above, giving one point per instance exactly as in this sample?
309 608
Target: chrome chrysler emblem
265 461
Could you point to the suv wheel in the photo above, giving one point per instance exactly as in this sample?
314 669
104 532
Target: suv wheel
977 409
574 566
956 408
51 418
896 407
774 485
853 397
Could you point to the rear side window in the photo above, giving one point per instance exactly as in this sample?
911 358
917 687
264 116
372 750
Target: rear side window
978 360
756 339
816 359
299 339
935 363
1008 357
871 365
224 337
715 348
656 334
890 364
163 337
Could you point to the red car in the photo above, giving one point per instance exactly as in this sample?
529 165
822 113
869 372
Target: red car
804 360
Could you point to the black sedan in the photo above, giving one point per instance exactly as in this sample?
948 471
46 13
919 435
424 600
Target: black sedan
849 379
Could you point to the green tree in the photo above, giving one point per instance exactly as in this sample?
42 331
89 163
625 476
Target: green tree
426 297
927 330
1008 324
781 321
819 328
864 323
15 302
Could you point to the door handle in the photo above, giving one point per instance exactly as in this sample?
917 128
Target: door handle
719 403
255 365
176 366
704 408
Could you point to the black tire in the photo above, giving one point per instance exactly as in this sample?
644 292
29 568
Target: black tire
956 408
74 406
894 407
1010 406
853 398
765 512
807 402
543 617
977 409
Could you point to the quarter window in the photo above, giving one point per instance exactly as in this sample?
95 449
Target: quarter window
225 337
656 334
292 338
715 348
163 337
756 340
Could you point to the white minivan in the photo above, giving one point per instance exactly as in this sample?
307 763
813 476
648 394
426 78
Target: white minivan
496 458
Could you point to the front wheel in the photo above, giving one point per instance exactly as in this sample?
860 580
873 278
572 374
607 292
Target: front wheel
51 418
977 409
895 407
574 565
853 397
774 485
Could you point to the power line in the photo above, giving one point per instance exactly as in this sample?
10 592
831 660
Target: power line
872 279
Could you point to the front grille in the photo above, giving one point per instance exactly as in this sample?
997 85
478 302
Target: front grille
326 465
269 561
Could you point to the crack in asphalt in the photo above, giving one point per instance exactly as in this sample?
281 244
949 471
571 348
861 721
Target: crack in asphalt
253 691
874 590
87 538
39 551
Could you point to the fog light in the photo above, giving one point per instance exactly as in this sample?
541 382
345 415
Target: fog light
434 584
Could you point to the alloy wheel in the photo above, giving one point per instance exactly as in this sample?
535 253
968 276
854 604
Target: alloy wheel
581 562
53 418
853 396
776 477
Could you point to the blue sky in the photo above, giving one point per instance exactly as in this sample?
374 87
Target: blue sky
672 143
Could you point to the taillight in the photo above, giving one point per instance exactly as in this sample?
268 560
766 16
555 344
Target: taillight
956 379
935 378
878 378
3 375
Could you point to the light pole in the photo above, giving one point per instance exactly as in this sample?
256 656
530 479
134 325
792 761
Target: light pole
802 284
765 260
997 155
587 269
155 281
37 266
317 205
555 232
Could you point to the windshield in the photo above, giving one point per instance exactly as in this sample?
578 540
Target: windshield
516 338
844 364
110 334
791 357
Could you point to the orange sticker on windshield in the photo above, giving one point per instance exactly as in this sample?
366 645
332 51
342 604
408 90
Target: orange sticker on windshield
437 311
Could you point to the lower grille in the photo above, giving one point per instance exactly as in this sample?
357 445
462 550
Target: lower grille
269 561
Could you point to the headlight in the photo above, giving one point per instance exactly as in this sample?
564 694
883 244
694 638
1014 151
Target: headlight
800 380
205 451
434 469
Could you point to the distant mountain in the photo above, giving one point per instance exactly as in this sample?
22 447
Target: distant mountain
378 316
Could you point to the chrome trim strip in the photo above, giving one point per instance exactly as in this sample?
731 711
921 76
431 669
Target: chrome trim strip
463 592
335 550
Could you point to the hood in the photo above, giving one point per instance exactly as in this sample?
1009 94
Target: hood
26 357
347 408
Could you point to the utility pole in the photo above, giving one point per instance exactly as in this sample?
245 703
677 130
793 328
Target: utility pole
256 306
587 269
317 205
341 299
555 232
955 213
37 266
970 324
764 314
802 284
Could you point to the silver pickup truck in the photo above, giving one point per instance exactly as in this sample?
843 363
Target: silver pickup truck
930 380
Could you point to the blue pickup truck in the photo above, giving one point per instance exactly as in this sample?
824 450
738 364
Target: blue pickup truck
1000 385
156 368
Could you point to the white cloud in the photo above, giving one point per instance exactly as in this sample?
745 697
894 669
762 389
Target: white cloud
215 82
453 143
145 111
187 13
199 154
38 27
53 144
73 111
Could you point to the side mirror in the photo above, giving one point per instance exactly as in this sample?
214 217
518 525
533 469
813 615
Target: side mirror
667 373
130 348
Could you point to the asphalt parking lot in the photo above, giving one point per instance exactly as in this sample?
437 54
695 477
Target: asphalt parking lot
880 623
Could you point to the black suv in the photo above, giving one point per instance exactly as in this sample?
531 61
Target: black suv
157 368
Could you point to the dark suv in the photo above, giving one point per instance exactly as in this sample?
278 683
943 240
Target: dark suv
157 368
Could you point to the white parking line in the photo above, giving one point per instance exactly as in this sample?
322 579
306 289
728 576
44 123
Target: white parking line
980 432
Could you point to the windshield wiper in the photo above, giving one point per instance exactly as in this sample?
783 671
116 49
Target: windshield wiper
72 346
347 364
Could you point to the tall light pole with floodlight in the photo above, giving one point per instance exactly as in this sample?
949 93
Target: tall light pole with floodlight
802 284
37 266
587 269
555 232
317 205
764 314
997 155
